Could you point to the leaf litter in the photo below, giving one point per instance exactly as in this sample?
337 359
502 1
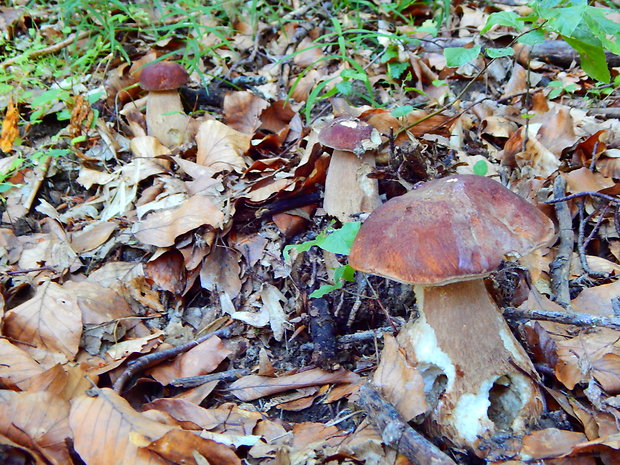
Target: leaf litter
139 245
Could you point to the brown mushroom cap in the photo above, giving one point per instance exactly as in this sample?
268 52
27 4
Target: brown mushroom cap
451 229
163 75
347 134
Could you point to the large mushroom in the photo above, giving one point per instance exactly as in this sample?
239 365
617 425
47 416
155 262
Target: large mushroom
444 238
165 118
348 189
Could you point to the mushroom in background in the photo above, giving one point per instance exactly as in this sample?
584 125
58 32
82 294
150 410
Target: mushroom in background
348 189
165 118
444 238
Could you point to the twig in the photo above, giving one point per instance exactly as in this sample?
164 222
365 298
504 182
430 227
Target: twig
578 319
193 381
581 245
396 433
609 198
155 358
559 268
47 50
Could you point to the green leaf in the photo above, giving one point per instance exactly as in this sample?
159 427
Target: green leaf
345 87
481 168
341 274
458 56
503 18
537 36
340 240
402 110
605 30
593 59
499 52
325 289
395 70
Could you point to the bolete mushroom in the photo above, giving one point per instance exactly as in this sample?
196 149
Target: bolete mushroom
444 238
348 189
165 118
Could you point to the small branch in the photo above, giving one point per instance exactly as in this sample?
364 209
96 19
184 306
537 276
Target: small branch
560 267
581 244
609 198
396 433
193 381
578 319
152 359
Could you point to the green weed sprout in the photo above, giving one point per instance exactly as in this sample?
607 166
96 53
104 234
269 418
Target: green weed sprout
335 240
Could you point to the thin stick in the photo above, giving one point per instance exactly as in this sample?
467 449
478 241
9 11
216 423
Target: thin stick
560 267
609 198
155 358
396 433
581 247
578 319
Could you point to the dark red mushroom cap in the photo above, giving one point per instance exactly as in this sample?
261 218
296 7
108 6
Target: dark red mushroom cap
347 134
448 230
163 75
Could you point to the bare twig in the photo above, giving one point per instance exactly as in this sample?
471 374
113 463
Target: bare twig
397 434
578 195
560 267
193 381
581 244
578 319
155 358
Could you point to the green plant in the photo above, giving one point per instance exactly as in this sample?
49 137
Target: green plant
559 87
333 240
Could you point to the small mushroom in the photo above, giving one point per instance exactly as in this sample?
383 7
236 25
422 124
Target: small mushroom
444 238
165 118
348 189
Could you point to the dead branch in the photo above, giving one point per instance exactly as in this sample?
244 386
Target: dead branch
396 433
560 266
152 359
584 320
193 381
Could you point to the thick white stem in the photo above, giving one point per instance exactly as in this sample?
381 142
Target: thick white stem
165 119
461 342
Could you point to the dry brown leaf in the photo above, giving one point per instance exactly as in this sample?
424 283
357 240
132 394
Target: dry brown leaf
17 367
167 271
227 418
558 129
162 228
221 148
38 421
177 446
220 272
254 387
597 300
107 431
399 381
242 111
585 180
51 324
64 381
92 236
26 455
550 442
201 360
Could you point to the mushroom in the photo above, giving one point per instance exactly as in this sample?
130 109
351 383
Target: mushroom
165 118
348 189
445 237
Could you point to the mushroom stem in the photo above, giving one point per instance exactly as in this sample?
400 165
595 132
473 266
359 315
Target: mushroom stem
348 189
470 354
165 118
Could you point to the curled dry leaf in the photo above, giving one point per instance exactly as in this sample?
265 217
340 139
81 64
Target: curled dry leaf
37 421
51 323
168 271
92 236
162 228
220 147
254 387
549 443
